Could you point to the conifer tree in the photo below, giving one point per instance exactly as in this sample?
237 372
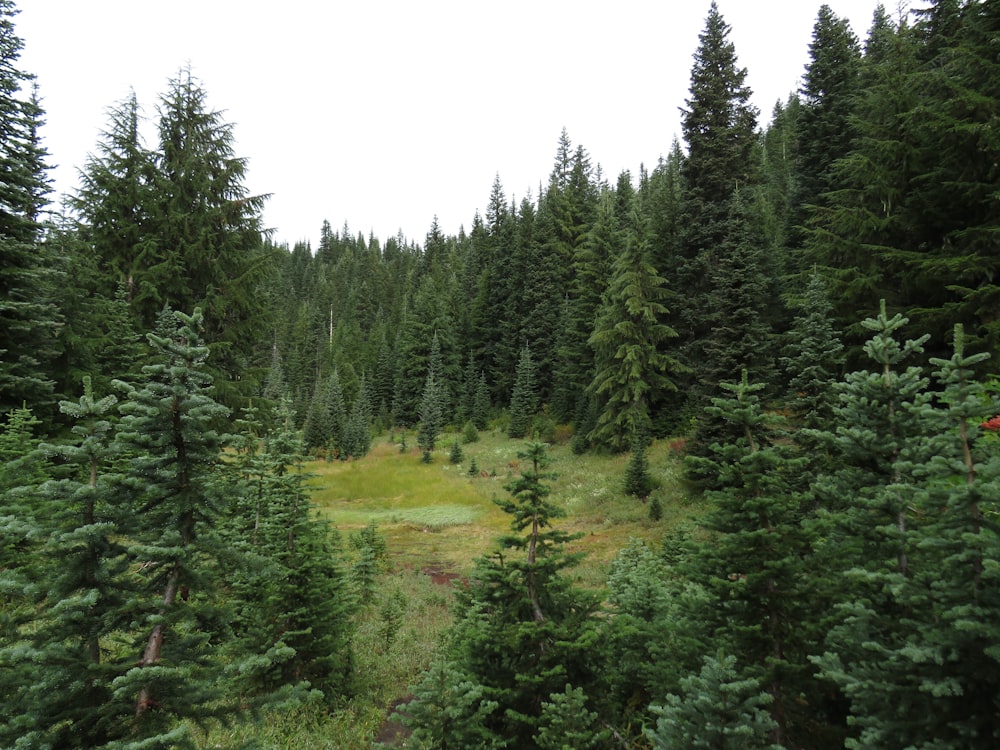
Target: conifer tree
28 317
813 357
318 427
449 710
753 560
655 636
717 708
867 217
632 367
524 631
917 663
719 126
637 479
63 700
171 487
481 403
824 126
566 722
431 417
591 270
116 203
292 606
524 397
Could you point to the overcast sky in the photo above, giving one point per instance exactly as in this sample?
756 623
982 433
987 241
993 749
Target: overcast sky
385 113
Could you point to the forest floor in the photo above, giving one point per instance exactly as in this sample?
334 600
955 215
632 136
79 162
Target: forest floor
436 519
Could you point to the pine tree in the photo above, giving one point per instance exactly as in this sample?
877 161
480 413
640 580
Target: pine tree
753 560
172 539
917 662
717 708
524 397
28 317
64 699
631 367
524 631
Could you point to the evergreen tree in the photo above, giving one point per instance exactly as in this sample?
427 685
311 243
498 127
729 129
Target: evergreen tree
654 635
917 663
753 560
717 708
719 126
455 456
63 700
177 226
116 202
318 427
591 270
812 357
567 723
739 334
828 90
431 417
292 608
481 403
857 228
524 398
524 631
28 318
862 531
449 710
632 368
171 488
637 479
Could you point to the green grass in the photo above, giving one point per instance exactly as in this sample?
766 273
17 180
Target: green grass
436 518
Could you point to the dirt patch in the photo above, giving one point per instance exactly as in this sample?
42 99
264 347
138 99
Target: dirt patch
393 730
440 575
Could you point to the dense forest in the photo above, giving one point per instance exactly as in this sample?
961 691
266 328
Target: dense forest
807 303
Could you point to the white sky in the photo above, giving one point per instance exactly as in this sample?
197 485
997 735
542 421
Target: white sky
385 113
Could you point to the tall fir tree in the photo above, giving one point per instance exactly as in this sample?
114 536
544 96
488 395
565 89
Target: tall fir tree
292 607
29 319
824 123
917 662
173 539
720 174
524 397
632 367
752 561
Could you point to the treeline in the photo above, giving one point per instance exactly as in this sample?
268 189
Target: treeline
633 297
625 299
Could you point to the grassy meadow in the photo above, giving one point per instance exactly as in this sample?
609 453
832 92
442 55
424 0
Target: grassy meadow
436 519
